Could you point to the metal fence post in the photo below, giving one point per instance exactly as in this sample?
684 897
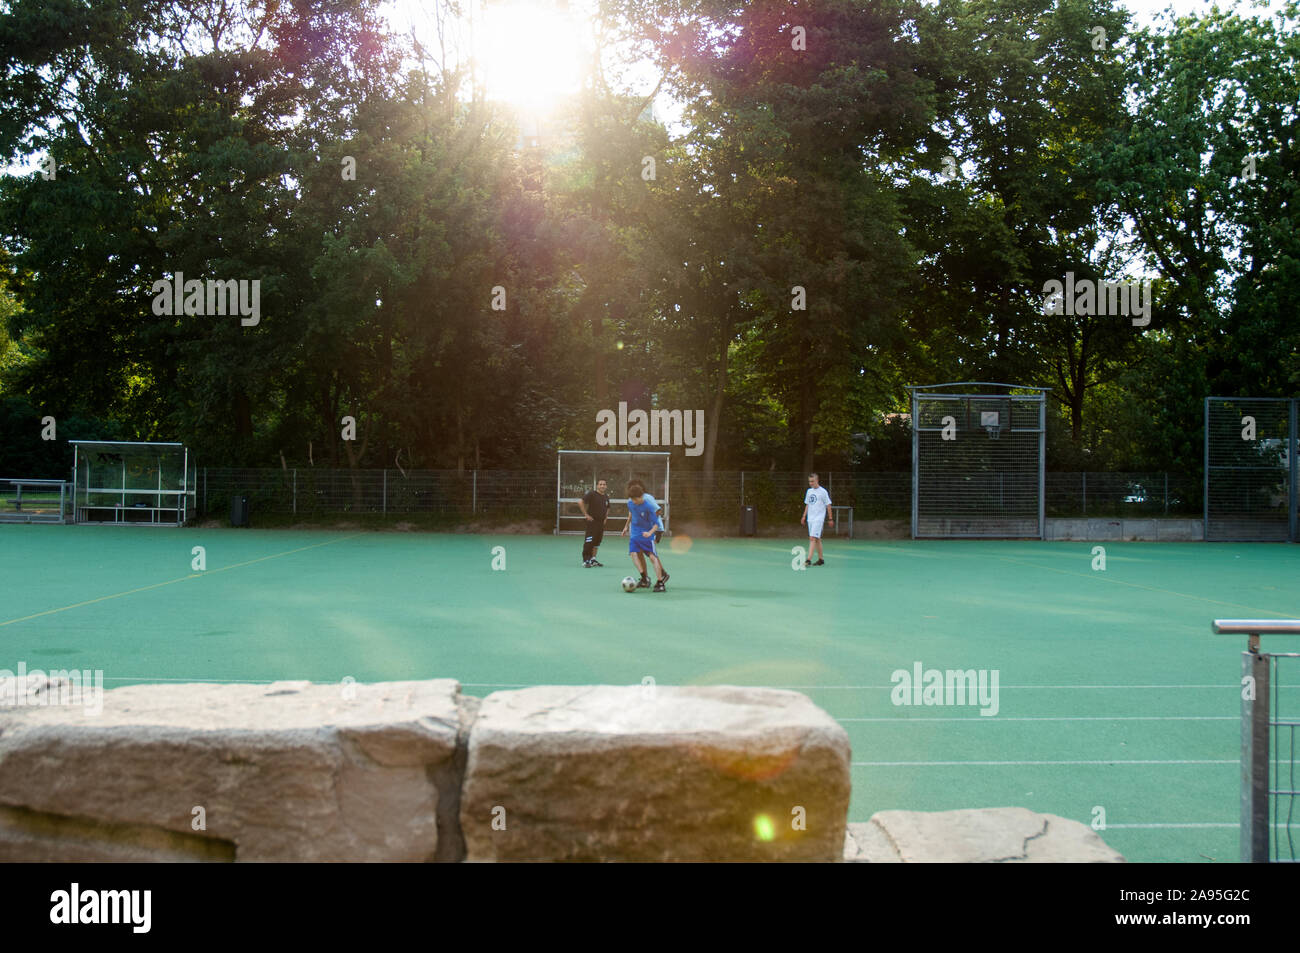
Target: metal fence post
1166 493
1259 751
1293 444
473 506
1254 755
1085 492
384 505
295 491
1042 464
1205 474
742 487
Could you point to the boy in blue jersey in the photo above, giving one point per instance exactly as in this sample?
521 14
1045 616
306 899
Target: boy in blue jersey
641 527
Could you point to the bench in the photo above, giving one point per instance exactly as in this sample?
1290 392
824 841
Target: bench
117 509
40 501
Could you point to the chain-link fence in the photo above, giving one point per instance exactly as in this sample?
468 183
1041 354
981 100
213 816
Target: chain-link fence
1148 495
695 496
315 491
1250 468
978 460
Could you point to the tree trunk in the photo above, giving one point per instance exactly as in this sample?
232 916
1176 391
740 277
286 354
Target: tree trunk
460 441
355 456
243 420
715 410
598 350
806 414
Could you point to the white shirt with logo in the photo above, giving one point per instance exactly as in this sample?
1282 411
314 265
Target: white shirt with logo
818 500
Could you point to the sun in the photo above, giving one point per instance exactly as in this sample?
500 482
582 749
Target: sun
531 52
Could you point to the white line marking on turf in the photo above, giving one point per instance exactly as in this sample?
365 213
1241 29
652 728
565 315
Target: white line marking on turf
215 681
908 721
891 686
1154 827
268 681
929 764
255 681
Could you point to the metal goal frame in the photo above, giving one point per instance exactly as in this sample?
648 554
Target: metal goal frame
1251 482
979 453
626 471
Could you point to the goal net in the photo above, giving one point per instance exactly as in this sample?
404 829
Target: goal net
576 473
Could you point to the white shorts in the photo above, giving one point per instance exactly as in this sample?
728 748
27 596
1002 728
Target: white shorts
815 527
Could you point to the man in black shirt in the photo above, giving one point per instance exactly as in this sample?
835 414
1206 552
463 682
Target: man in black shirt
594 507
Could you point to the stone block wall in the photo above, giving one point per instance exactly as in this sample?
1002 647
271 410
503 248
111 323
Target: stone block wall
418 772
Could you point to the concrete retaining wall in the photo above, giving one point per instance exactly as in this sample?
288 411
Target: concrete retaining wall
1102 529
415 771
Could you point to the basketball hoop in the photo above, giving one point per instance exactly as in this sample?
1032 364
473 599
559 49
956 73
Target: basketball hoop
991 421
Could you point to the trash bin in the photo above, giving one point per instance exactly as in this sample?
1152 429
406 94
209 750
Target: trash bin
239 511
749 521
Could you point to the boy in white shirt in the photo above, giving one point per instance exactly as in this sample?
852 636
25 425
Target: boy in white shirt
816 508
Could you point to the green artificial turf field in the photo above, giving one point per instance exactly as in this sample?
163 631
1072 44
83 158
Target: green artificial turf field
1111 691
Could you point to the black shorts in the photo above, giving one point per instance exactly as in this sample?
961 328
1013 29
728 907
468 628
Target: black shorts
595 532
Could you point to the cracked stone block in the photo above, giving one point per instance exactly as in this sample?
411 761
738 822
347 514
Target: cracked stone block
868 844
283 772
609 773
979 836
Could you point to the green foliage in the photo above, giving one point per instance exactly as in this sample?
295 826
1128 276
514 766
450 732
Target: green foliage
214 145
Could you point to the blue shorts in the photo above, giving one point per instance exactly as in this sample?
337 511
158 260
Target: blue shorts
641 544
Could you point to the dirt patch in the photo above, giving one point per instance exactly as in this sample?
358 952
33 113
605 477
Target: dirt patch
790 529
882 529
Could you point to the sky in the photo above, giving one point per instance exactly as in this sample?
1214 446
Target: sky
529 60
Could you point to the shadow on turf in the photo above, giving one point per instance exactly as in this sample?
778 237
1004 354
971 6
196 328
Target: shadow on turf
695 593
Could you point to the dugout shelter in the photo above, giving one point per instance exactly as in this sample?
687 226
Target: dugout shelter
118 482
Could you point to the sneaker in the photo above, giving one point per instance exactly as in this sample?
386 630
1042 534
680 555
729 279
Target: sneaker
586 564
820 562
592 562
644 583
662 584
807 562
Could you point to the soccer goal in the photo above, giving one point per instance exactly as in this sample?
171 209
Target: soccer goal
576 473
978 452
843 516
117 481
1250 469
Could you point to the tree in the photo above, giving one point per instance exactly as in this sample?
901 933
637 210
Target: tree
1002 202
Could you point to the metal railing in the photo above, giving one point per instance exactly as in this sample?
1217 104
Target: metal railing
1268 740
34 501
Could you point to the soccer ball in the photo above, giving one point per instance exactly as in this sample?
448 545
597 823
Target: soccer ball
629 583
